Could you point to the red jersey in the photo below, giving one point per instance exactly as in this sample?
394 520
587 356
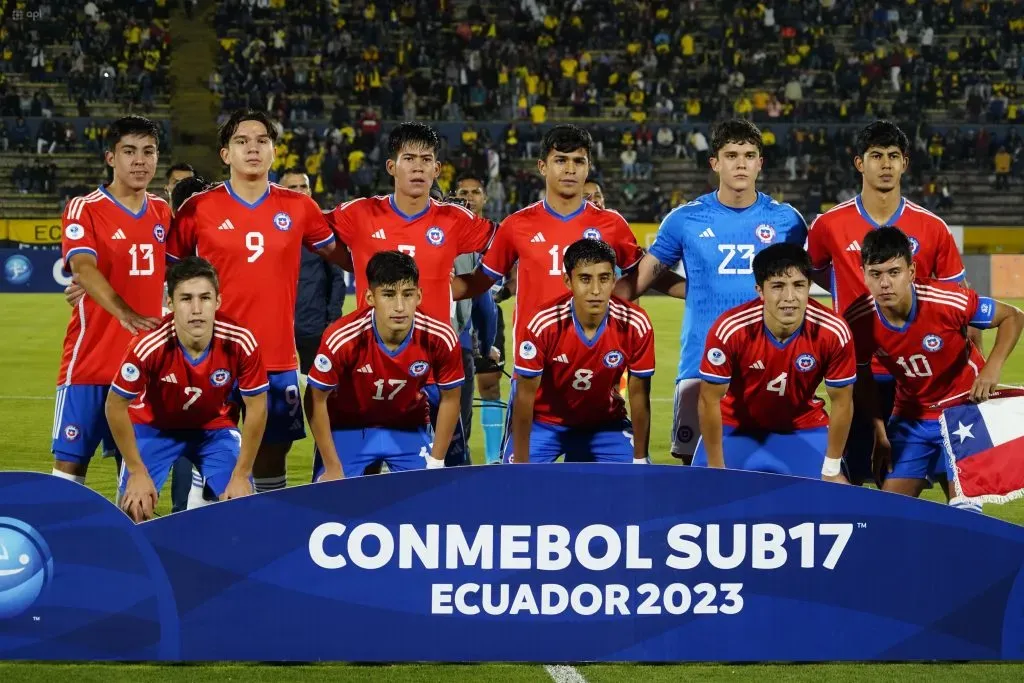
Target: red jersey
376 387
930 357
772 384
256 251
130 253
579 386
536 237
173 391
434 237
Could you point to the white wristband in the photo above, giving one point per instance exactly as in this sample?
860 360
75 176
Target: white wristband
831 467
433 463
642 461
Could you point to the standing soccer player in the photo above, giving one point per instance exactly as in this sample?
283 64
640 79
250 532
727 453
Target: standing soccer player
568 365
717 237
434 233
835 242
917 331
763 362
113 244
488 324
378 361
252 232
171 397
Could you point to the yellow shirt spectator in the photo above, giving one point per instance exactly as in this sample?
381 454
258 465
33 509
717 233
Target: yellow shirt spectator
582 77
355 160
636 98
569 66
348 132
638 115
532 81
760 100
687 45
743 106
767 138
313 163
633 49
693 107
469 136
1003 161
538 113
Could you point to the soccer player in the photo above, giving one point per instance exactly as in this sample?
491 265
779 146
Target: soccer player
568 364
477 318
252 231
836 239
379 359
593 193
175 174
917 331
763 362
113 244
434 233
171 397
717 237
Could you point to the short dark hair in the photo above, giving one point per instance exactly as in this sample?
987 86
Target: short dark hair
391 268
883 134
131 125
776 260
230 127
737 131
468 175
412 133
190 268
586 252
185 189
565 137
294 170
180 166
885 244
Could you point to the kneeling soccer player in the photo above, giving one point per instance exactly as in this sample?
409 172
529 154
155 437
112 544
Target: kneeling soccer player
178 381
763 362
568 364
378 360
917 330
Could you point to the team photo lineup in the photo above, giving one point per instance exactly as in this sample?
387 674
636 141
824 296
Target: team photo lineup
183 356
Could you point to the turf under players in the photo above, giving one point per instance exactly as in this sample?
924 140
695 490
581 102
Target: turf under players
171 396
568 363
763 363
378 360
113 243
717 237
252 232
836 238
917 331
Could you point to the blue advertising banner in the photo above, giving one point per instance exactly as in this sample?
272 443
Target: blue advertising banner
512 563
32 270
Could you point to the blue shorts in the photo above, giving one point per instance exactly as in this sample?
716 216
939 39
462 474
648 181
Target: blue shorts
860 443
284 408
458 449
798 454
80 423
917 451
214 452
578 444
401 449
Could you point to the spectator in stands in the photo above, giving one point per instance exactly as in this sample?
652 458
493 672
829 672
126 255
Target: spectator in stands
46 136
1002 162
20 177
628 159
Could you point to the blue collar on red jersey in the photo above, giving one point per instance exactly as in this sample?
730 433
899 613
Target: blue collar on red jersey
910 318
775 342
195 361
579 328
566 216
231 193
892 219
142 211
405 216
380 341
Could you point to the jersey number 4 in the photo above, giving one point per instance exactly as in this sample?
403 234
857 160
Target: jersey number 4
739 259
778 385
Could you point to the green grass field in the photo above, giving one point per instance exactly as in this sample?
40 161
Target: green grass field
31 330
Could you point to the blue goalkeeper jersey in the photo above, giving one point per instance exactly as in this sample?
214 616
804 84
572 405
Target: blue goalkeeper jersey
717 245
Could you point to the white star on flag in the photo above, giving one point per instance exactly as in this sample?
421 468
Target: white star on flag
964 432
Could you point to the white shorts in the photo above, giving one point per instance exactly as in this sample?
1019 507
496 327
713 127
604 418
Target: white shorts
685 424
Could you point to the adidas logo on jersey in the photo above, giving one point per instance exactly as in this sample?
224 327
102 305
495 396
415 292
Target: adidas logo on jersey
539 237
854 246
365 369
379 235
226 225
708 233
169 378
118 235
757 365
562 358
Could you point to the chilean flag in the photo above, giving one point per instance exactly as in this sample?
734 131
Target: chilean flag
984 445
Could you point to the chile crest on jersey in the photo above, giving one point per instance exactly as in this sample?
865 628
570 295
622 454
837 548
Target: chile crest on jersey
931 343
915 246
419 368
591 234
435 235
765 233
282 221
220 377
805 362
159 233
613 359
